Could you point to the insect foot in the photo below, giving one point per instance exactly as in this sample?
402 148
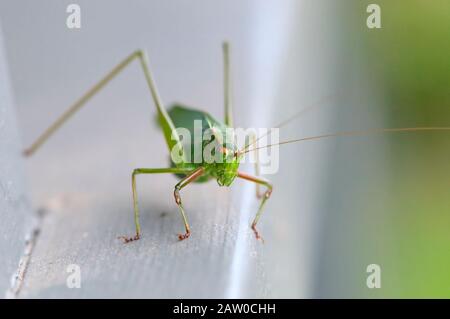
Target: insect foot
257 235
127 240
184 236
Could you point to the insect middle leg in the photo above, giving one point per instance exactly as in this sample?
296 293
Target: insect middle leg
138 171
265 197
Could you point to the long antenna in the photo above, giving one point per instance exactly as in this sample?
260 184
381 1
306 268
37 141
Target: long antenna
290 119
353 133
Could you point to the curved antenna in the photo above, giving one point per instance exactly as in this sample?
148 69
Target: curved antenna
353 133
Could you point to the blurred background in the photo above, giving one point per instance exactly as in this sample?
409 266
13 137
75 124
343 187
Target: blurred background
338 205
393 207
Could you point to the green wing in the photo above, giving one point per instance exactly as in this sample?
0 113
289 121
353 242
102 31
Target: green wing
184 117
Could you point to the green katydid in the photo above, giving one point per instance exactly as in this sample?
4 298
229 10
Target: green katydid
224 171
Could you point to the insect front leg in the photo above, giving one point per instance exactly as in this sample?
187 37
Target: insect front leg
176 193
138 171
265 197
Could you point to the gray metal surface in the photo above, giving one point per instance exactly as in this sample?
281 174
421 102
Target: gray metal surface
84 232
15 209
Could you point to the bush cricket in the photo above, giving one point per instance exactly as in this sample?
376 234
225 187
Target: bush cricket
225 171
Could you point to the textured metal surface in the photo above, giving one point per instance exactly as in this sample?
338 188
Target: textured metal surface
84 232
14 205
